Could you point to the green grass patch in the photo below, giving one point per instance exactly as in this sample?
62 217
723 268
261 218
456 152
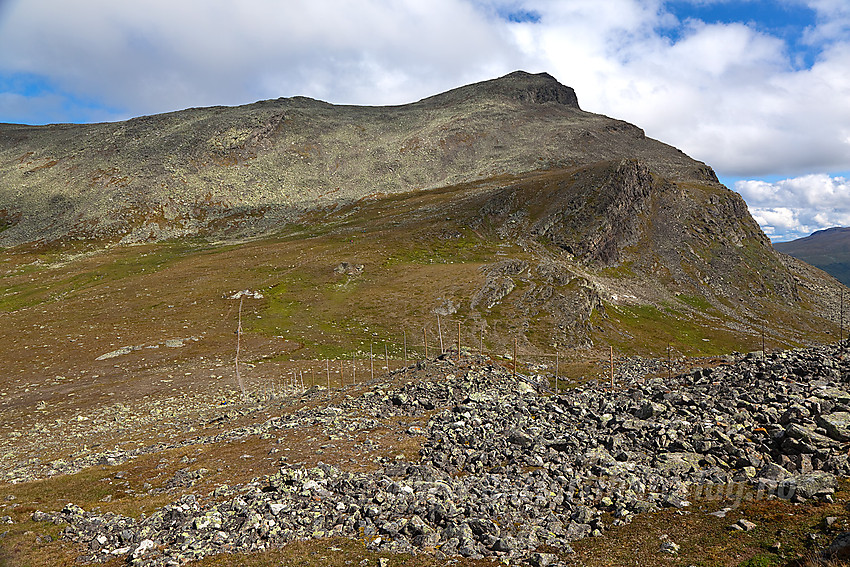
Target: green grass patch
650 329
695 301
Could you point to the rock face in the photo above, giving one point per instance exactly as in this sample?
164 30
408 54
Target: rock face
502 472
245 169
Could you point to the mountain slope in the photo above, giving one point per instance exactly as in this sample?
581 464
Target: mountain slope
827 249
501 204
246 169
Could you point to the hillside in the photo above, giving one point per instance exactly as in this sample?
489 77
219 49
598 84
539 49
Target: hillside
827 249
244 170
396 288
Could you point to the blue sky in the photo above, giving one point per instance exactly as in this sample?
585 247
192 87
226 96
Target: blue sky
758 89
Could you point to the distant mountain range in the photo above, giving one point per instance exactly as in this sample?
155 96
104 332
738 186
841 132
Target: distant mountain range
827 249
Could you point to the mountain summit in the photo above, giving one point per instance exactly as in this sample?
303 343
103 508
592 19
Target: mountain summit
519 85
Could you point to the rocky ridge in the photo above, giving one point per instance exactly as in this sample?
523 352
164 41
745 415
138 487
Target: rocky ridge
508 471
245 170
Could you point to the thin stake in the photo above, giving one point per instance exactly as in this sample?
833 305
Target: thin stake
612 366
458 340
353 369
386 358
514 358
669 362
763 353
341 380
440 332
371 362
238 346
481 344
405 348
328 367
841 317
557 364
301 376
425 336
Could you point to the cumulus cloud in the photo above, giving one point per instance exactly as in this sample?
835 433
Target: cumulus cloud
161 55
796 207
725 93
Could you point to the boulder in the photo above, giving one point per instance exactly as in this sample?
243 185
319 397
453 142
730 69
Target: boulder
837 425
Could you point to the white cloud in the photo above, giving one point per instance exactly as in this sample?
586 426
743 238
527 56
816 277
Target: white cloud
163 55
726 94
796 207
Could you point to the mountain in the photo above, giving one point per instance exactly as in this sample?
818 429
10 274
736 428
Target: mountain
827 249
246 170
501 205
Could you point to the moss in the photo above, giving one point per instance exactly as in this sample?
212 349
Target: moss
695 301
648 329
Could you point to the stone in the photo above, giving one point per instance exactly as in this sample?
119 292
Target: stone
542 559
668 546
837 425
144 547
772 471
519 437
805 486
39 516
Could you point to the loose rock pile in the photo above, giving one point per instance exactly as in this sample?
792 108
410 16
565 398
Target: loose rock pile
505 471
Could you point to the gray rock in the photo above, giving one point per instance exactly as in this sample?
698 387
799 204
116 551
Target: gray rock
542 559
772 471
519 437
810 485
837 425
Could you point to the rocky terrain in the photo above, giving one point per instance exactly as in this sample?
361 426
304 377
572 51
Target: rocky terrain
597 222
507 468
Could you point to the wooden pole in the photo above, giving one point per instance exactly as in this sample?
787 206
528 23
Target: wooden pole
612 366
841 317
514 358
405 348
669 362
386 358
301 375
328 364
440 333
763 353
557 364
458 340
238 346
353 369
481 344
371 362
341 380
425 337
